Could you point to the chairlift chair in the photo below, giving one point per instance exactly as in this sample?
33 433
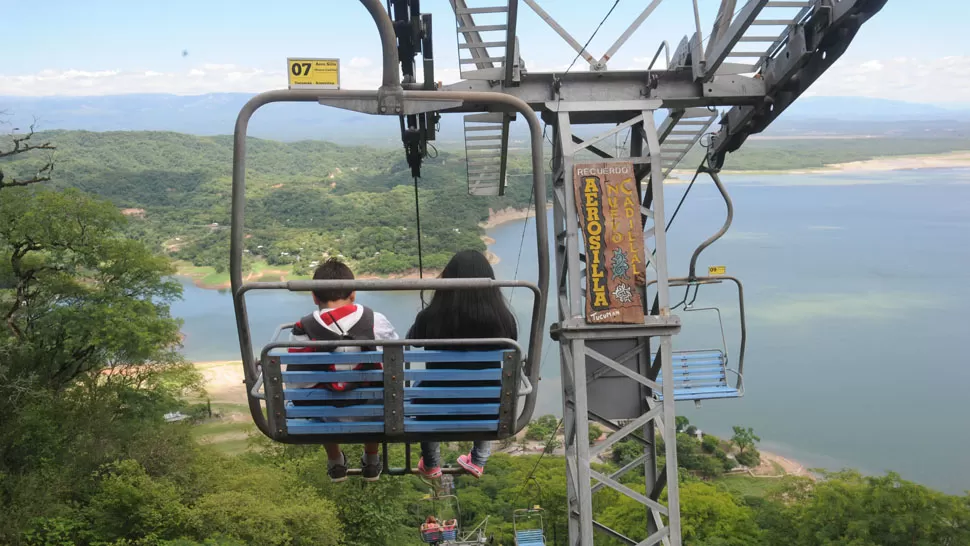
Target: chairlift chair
530 536
706 374
389 412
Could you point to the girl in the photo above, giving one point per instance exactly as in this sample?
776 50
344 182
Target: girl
474 313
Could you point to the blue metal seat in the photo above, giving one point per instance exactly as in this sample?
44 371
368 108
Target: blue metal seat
529 537
404 406
701 375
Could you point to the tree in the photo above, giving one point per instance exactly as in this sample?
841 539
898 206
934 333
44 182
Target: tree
682 423
594 433
744 438
81 297
848 508
21 145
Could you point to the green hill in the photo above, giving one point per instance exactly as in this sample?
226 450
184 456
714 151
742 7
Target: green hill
305 199
310 199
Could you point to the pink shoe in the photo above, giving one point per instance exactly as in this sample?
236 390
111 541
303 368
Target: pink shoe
465 461
430 473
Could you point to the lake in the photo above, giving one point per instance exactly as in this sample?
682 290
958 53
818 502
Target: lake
857 302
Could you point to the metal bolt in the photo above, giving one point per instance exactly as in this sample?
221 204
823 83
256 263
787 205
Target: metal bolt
398 109
393 412
383 109
393 378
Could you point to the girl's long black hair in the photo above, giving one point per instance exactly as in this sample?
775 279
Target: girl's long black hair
474 313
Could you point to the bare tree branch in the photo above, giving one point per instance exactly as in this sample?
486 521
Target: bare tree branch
22 145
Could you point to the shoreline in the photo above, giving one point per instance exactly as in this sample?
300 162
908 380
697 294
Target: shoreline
223 380
498 217
949 160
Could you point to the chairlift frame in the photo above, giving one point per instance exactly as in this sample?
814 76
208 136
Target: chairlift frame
692 280
393 100
528 513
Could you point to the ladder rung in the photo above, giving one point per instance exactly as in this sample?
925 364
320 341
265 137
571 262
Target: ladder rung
473 45
675 132
773 22
485 137
788 4
472 11
485 147
483 128
750 54
690 122
482 60
482 28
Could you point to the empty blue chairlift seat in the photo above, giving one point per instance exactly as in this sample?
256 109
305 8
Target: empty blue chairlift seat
426 409
529 537
701 375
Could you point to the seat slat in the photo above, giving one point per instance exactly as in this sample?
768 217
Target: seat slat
411 409
365 393
366 410
377 356
300 426
353 376
494 374
451 426
456 392
329 358
348 376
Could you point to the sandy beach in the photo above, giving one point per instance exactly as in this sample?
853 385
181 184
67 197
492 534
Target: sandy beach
953 160
503 216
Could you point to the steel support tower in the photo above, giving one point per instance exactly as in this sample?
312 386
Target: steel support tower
757 59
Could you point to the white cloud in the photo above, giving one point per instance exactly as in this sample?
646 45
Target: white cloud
359 73
945 79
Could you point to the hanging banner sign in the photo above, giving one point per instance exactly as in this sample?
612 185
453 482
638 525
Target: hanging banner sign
609 215
313 73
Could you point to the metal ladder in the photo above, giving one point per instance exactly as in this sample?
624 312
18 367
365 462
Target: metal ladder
679 132
486 58
486 139
766 25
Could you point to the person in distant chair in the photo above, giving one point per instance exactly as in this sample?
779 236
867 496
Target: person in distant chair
339 317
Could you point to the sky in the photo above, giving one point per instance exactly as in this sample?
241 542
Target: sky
917 51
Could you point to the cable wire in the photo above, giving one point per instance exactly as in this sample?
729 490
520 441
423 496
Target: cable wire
417 214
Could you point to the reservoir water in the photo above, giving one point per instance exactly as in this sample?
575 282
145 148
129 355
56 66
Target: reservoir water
857 292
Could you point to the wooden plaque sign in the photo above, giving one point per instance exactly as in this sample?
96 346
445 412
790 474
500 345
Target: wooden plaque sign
609 216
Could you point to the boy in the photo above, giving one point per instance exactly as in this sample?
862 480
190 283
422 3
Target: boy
338 317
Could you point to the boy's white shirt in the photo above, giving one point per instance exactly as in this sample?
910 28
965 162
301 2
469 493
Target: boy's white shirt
383 329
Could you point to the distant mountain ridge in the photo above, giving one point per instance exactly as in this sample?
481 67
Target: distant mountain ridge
215 114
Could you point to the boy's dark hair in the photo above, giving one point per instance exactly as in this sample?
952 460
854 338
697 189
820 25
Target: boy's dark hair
332 270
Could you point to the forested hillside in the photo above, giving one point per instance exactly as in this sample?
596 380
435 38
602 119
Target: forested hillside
305 198
311 198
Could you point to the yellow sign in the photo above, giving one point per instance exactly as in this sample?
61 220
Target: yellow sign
313 73
716 270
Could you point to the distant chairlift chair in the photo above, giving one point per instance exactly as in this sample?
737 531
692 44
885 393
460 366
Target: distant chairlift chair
530 535
705 374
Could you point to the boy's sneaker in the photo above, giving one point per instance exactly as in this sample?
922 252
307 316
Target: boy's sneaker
465 461
337 471
431 473
371 472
